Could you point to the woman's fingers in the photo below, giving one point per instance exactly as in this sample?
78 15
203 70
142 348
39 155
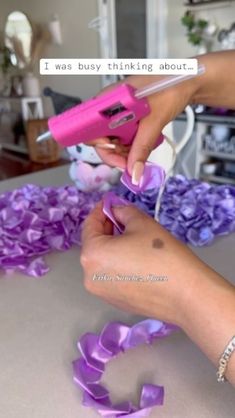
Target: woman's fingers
145 141
111 158
103 143
130 217
112 152
94 224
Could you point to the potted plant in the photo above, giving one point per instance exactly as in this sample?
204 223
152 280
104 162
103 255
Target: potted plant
200 32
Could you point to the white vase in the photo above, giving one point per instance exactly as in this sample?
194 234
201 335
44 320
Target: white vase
30 84
202 49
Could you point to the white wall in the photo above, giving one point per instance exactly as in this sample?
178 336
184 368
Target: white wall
178 46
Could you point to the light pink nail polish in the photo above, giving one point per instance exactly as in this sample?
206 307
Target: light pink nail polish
137 172
106 146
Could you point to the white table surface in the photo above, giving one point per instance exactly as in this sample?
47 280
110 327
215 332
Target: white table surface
41 320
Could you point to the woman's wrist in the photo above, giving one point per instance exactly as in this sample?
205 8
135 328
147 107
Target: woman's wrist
208 315
204 287
200 86
213 88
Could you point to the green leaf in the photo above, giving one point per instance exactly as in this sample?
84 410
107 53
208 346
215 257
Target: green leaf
202 24
195 38
6 59
188 21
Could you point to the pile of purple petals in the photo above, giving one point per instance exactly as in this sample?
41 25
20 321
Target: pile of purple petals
36 220
193 211
97 350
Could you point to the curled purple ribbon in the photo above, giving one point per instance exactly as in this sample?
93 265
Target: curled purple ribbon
97 350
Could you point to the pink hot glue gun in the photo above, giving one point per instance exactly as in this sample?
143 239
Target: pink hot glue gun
114 114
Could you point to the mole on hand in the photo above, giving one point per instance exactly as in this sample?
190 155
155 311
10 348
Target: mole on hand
157 243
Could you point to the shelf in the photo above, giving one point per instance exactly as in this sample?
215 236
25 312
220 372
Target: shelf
12 147
11 97
218 179
18 97
208 6
220 155
210 119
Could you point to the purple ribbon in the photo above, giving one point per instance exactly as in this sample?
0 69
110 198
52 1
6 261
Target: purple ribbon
97 350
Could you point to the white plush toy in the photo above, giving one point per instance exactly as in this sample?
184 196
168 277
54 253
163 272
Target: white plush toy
88 171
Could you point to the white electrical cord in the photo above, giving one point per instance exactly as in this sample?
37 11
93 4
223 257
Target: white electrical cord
168 173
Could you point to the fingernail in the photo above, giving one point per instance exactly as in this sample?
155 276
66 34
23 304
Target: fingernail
121 204
137 172
106 146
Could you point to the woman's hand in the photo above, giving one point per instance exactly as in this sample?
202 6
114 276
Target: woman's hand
193 296
213 88
145 250
165 106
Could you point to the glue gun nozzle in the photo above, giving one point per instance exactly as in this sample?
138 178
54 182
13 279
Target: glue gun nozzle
44 137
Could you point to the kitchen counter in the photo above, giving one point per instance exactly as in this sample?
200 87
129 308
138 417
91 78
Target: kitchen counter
42 319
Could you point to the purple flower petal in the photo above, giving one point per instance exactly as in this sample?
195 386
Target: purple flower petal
113 336
88 378
151 395
93 353
141 333
152 178
86 373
